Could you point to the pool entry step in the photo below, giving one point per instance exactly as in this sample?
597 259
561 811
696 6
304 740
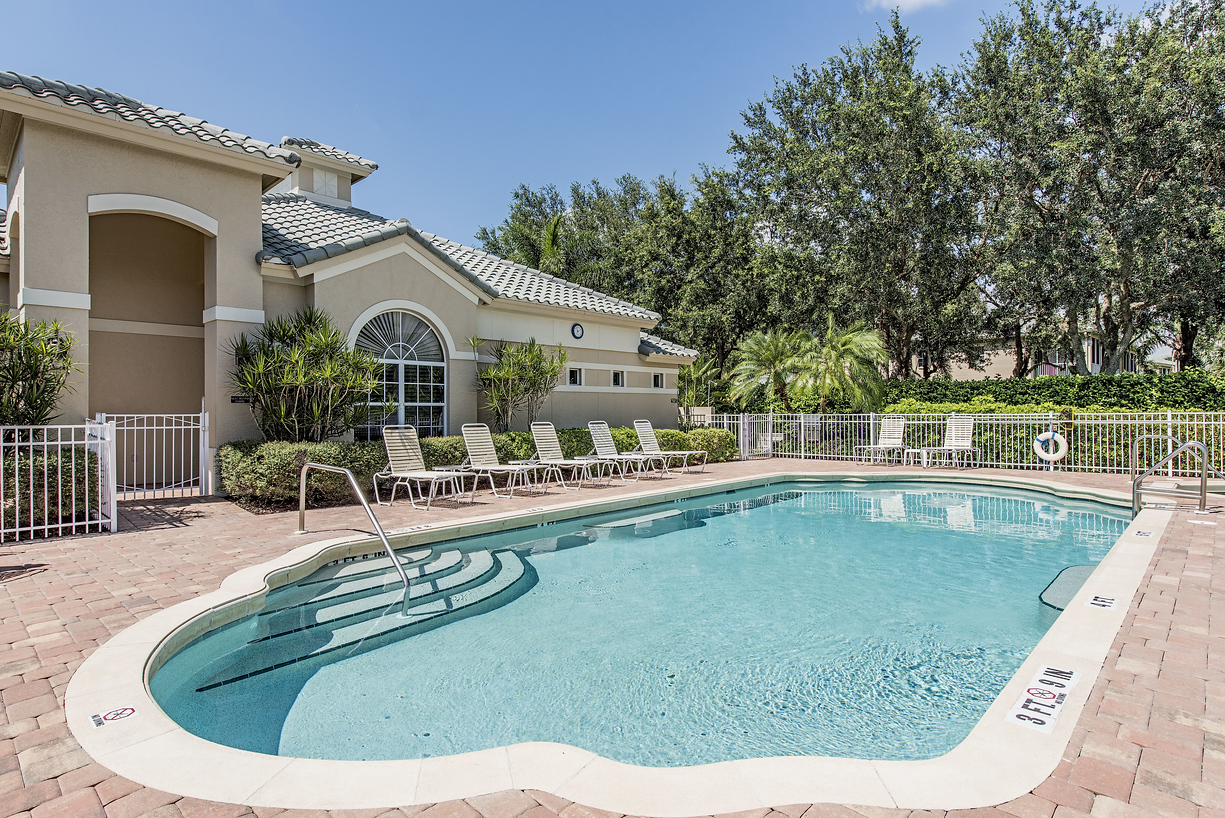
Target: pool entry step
1064 586
358 606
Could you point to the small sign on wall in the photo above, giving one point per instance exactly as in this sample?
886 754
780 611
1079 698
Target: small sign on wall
240 398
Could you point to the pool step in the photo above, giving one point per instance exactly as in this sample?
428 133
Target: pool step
474 569
375 564
487 581
365 582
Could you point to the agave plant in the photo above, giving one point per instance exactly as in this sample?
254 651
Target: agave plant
301 379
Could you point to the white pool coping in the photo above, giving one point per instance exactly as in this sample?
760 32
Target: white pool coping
998 761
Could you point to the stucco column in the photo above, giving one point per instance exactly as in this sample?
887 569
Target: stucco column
228 421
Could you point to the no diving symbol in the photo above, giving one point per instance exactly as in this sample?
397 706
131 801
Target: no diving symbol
1040 693
118 714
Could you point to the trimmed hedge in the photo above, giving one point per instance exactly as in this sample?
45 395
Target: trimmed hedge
267 473
1189 390
69 477
720 444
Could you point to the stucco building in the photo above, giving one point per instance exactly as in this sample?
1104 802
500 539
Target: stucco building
157 238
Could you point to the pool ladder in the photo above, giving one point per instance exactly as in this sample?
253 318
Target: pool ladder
378 529
1201 451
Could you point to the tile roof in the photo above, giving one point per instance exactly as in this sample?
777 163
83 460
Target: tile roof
301 231
125 109
522 283
654 345
311 146
4 239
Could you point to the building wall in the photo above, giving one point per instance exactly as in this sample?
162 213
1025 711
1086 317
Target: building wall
61 168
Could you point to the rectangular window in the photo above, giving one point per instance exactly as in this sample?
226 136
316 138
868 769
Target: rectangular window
618 378
576 377
657 380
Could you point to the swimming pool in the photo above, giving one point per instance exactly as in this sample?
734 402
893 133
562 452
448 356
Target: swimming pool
793 619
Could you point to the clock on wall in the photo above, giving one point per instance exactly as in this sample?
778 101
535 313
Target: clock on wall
577 330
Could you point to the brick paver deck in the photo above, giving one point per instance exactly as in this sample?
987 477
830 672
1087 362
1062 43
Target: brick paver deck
1150 742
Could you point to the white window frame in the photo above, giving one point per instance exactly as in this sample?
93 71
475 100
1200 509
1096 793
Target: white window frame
618 378
575 378
658 380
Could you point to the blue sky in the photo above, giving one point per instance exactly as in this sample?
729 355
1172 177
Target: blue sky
459 102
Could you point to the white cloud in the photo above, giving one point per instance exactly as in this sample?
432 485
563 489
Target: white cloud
903 6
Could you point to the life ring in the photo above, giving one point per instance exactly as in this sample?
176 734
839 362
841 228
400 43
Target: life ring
1061 447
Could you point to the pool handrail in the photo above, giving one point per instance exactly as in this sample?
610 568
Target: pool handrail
1201 451
378 529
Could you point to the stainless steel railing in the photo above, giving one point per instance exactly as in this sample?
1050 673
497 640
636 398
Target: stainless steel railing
1193 446
378 529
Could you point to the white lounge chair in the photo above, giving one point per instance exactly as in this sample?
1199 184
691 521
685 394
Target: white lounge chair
957 448
649 444
406 467
483 461
888 442
606 450
549 455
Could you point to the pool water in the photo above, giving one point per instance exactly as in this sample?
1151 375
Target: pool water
793 619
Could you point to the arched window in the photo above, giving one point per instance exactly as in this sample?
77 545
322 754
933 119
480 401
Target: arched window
414 374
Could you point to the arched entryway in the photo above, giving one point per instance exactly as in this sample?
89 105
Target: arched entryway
146 326
413 374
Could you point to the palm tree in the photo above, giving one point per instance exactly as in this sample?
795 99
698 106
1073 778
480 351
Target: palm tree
693 381
770 360
845 363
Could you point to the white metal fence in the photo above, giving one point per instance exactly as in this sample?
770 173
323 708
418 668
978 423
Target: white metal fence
1097 442
57 480
161 456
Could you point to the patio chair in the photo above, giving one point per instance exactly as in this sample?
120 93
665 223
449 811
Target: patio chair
483 461
888 441
958 444
649 444
406 467
606 450
549 455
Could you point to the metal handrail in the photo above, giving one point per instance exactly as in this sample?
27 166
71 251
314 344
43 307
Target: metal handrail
378 529
1135 450
1205 467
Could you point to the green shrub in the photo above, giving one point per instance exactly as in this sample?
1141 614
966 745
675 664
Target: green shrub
625 438
575 442
1181 391
981 405
670 440
719 444
35 362
301 379
267 473
64 486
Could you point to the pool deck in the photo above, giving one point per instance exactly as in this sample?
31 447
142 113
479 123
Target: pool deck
1150 742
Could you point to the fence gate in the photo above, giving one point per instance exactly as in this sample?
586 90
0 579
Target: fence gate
160 456
756 436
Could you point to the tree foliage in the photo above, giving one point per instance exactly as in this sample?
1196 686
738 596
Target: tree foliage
1062 185
520 376
35 362
302 381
